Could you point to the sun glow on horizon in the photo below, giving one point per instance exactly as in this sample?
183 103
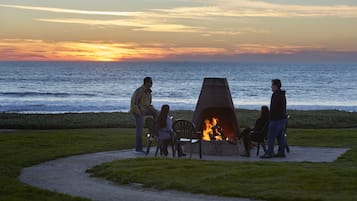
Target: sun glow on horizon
94 51
39 50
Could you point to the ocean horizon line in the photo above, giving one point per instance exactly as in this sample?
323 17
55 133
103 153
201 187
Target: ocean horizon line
185 61
351 109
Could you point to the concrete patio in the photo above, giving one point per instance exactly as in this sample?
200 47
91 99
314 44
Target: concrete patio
68 175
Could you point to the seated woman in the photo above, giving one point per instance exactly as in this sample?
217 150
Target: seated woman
165 132
251 133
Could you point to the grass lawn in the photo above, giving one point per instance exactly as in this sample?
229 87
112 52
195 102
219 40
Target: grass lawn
288 181
299 119
261 180
25 148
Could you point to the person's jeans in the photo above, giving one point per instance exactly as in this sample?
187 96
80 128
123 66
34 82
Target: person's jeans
276 131
139 121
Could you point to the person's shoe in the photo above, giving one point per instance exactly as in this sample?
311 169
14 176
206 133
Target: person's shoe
140 151
266 156
279 155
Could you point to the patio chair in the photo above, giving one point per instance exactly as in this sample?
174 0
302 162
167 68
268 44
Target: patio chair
260 137
153 136
285 136
186 133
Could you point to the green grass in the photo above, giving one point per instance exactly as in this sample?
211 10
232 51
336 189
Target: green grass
291 181
25 148
66 121
299 119
286 181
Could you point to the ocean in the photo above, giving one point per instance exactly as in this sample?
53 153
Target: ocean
59 87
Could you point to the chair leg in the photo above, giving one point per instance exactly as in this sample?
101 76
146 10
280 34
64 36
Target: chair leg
264 147
148 147
200 148
286 144
158 146
287 148
190 150
173 148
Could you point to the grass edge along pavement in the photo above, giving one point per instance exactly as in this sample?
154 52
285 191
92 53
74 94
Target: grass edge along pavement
258 180
24 148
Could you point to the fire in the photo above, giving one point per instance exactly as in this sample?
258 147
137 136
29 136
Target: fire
212 130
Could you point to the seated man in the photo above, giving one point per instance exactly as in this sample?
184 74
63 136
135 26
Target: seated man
257 132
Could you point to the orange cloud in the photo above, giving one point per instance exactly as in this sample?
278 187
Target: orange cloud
142 24
274 49
18 49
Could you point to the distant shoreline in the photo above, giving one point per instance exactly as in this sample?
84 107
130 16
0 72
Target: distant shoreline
350 108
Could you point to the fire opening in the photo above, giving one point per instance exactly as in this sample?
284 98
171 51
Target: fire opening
213 130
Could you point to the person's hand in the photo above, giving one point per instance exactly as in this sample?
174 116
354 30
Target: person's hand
153 110
136 111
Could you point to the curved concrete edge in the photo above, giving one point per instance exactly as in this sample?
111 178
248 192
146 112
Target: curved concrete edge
68 175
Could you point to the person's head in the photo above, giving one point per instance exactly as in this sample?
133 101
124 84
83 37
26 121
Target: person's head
275 84
264 112
163 116
148 82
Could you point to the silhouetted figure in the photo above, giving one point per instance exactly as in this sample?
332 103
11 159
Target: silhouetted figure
257 131
278 121
141 106
165 132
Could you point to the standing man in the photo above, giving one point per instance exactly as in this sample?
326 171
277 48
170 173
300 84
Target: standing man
140 106
277 120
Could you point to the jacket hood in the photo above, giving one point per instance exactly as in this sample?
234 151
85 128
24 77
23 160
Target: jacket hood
279 91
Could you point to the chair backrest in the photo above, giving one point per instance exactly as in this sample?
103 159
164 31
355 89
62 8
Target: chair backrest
265 130
260 136
150 123
286 123
184 129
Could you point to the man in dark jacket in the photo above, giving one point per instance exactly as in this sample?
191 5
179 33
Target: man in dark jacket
277 120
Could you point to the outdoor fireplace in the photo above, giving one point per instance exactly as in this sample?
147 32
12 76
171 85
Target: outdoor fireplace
215 117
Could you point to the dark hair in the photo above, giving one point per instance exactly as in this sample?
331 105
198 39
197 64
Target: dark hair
161 120
147 79
264 112
276 82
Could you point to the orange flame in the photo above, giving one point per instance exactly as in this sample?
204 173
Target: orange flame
211 130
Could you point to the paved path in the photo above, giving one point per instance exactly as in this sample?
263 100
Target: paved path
67 175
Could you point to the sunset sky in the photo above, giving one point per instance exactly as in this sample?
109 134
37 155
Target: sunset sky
176 30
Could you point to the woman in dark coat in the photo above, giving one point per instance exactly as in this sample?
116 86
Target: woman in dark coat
257 131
